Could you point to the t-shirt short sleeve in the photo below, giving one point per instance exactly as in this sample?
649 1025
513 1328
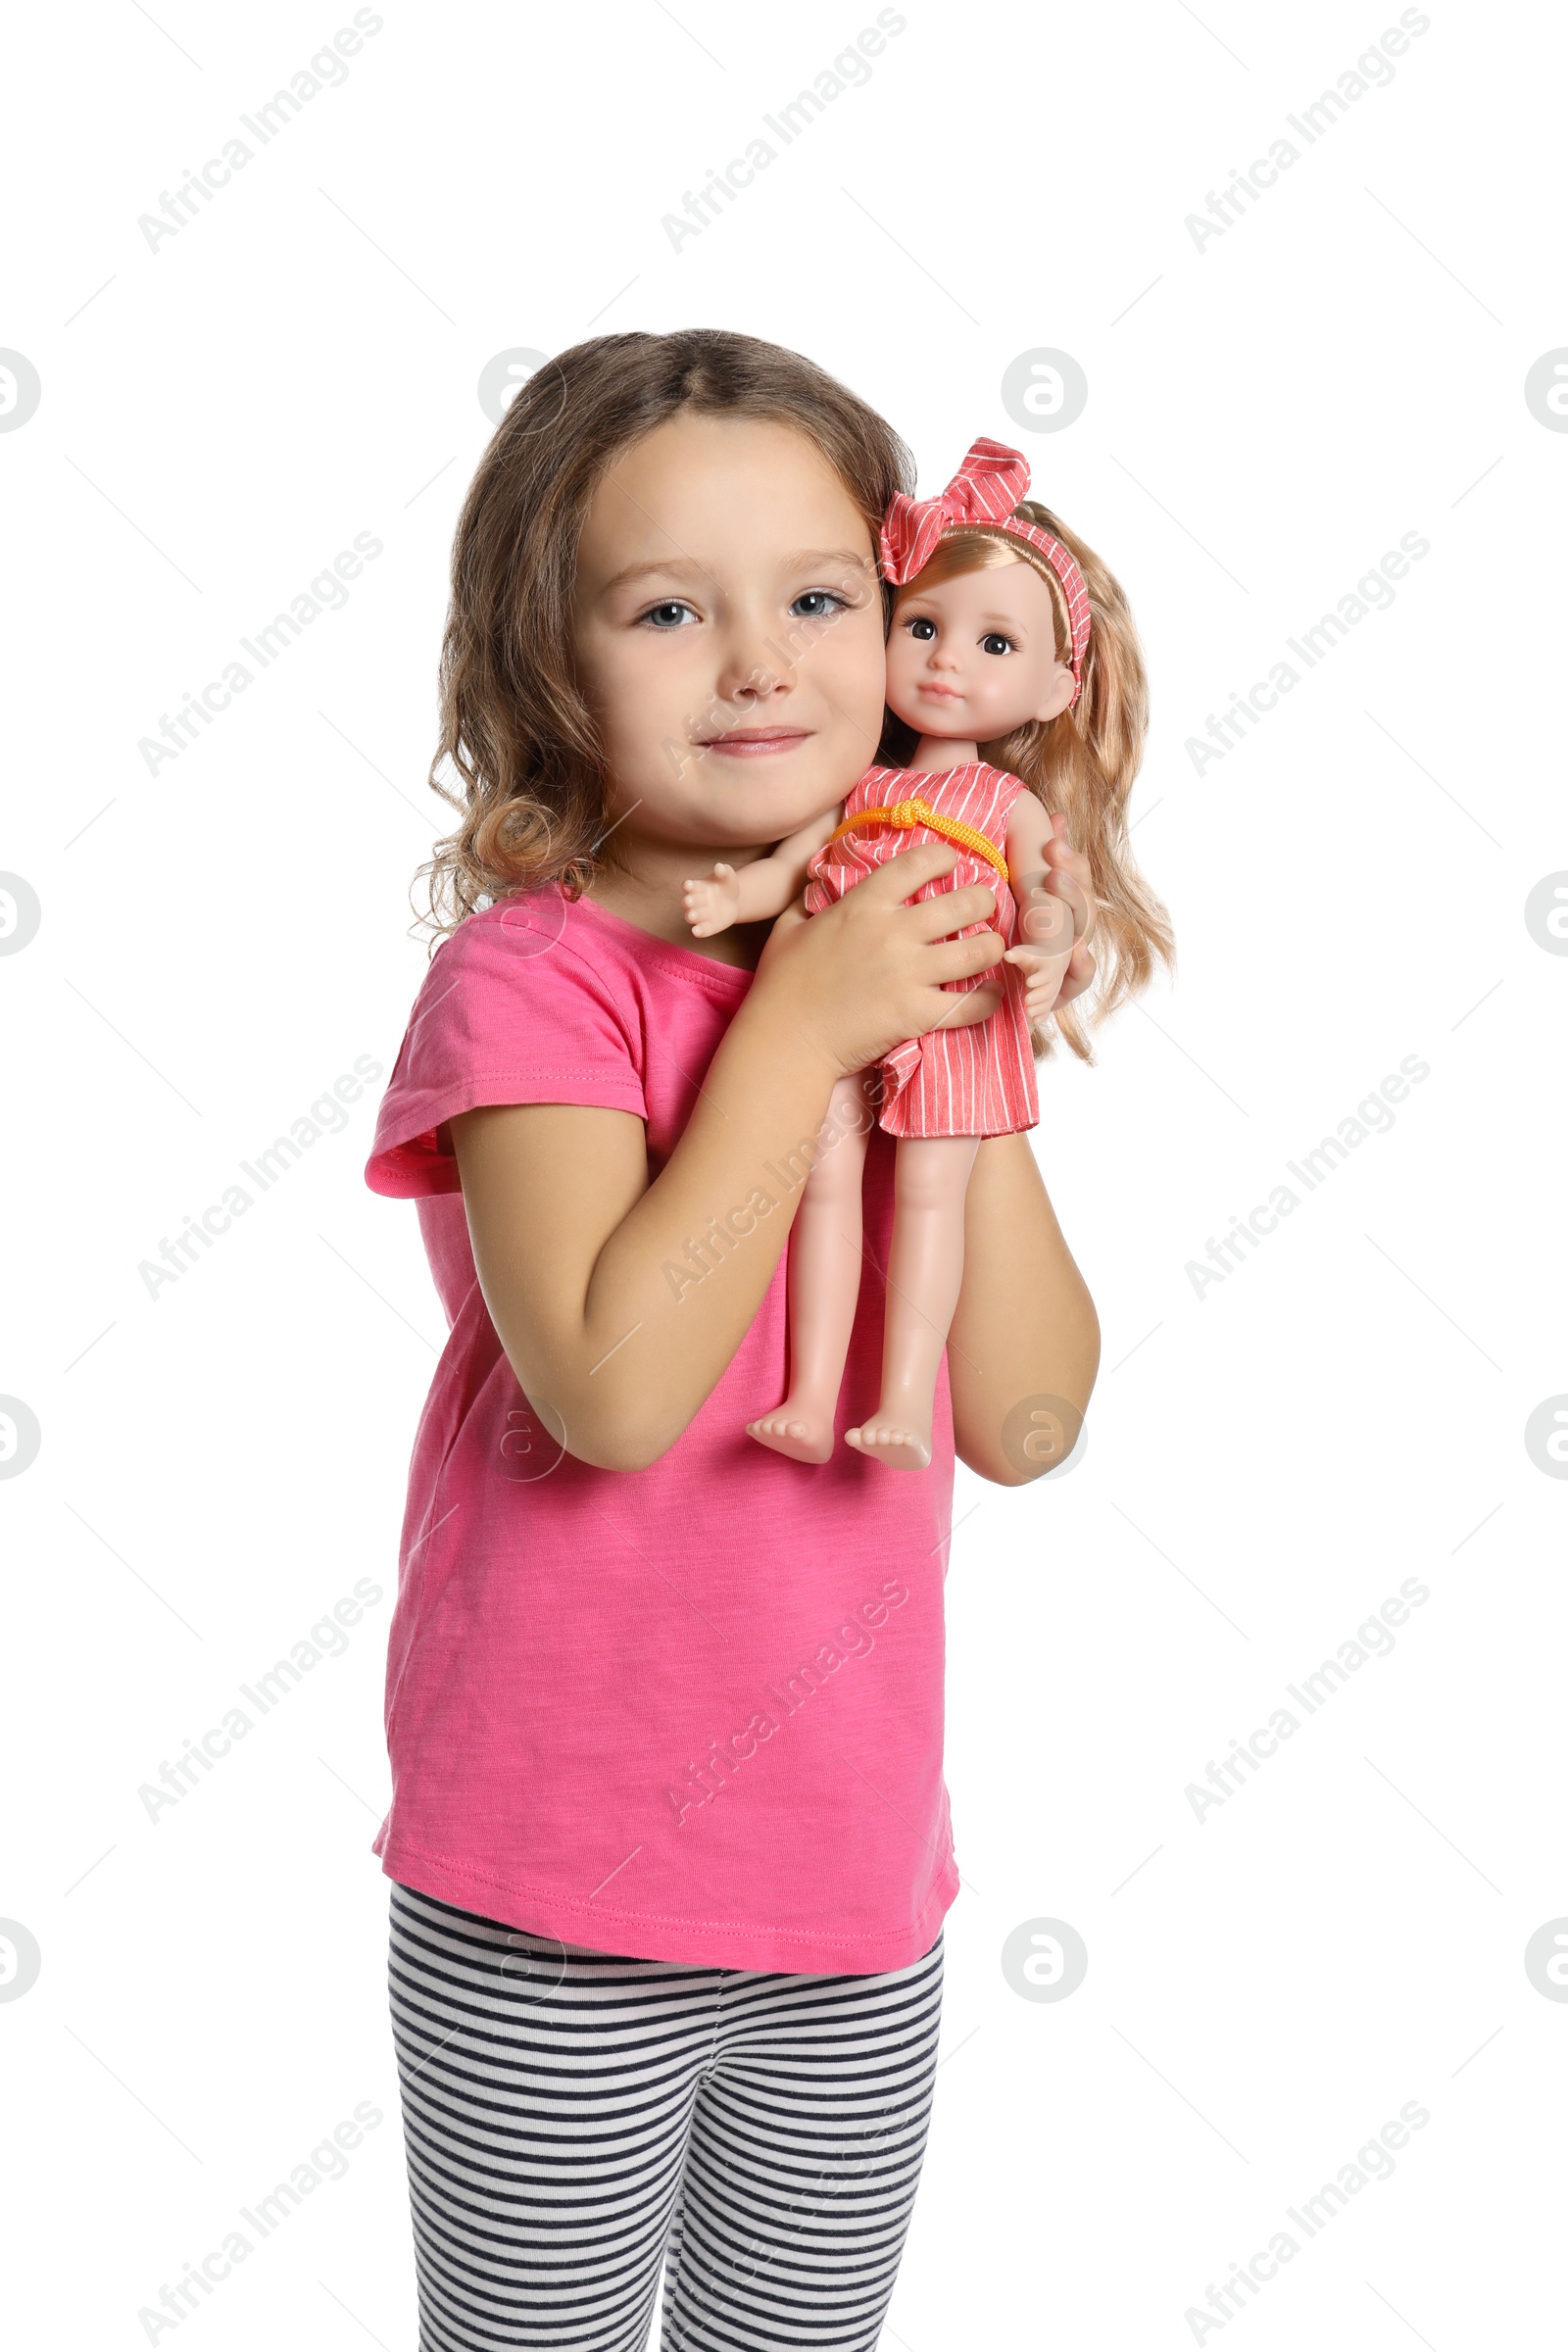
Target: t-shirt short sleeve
511 1011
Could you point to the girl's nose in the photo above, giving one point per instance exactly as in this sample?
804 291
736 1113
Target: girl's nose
758 684
752 672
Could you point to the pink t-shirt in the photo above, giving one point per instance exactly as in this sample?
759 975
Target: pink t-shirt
692 1712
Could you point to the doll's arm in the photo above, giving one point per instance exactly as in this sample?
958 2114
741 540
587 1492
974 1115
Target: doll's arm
760 890
1029 829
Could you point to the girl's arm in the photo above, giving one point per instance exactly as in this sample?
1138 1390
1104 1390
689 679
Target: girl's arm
1025 1338
760 890
620 1298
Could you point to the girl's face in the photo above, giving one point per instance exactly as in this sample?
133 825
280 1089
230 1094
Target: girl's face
728 632
976 655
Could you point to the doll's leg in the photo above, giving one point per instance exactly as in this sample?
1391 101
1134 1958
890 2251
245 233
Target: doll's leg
925 1268
824 1281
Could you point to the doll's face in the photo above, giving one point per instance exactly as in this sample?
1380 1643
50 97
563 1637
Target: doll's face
728 633
976 655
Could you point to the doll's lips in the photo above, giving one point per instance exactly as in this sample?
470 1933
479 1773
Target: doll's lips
941 694
755 743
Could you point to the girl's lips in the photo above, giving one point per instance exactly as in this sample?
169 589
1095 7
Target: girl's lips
755 742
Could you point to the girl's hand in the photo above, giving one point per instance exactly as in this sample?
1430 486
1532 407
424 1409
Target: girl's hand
1055 913
712 905
1063 883
1067 877
1079 974
1047 926
855 981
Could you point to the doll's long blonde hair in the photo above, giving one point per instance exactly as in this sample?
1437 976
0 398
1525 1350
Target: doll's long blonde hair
1081 763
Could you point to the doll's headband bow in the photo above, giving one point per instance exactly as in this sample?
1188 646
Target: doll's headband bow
983 493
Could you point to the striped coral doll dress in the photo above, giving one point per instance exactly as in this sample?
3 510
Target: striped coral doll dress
975 1081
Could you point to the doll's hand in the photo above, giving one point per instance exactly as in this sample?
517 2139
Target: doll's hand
1043 978
712 905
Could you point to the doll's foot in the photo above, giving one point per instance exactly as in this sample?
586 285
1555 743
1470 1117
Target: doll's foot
803 1433
893 1439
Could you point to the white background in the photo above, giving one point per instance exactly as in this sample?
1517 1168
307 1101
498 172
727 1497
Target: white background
1266 1463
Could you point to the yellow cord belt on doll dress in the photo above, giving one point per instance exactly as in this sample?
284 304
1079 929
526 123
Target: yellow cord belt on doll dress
920 812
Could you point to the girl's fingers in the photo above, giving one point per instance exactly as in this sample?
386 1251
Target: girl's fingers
907 870
975 1004
958 959
1058 892
1048 923
1081 969
1070 882
1072 895
950 910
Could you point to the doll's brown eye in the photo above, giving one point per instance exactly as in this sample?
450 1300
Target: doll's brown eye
994 643
926 630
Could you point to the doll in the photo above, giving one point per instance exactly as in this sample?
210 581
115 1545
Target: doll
990 649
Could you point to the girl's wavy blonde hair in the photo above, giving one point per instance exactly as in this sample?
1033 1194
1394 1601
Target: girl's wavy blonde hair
1081 763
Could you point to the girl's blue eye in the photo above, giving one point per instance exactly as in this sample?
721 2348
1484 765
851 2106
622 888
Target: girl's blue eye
995 642
668 616
924 629
816 604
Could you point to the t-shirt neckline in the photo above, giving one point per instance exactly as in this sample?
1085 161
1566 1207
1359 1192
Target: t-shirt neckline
688 963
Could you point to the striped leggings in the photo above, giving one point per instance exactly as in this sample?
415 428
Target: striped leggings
573 2119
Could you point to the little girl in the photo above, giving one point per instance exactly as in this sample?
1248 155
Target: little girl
998 641
668 1836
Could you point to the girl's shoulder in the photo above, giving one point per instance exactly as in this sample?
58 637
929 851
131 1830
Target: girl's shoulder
524 1001
543 943
530 945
